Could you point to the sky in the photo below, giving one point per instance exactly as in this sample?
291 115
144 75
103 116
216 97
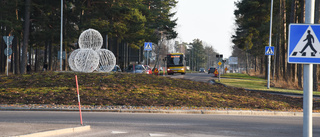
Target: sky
211 21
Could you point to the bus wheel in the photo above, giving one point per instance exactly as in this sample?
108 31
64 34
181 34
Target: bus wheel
183 73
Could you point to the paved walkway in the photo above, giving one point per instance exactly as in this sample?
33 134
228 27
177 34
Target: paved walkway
34 130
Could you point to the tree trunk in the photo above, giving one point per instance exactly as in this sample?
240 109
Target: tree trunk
36 60
284 38
292 20
45 63
17 56
25 36
277 67
50 55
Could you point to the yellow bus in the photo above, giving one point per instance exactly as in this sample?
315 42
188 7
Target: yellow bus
176 63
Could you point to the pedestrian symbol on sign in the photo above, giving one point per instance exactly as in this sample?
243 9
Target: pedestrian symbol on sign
148 46
269 50
309 43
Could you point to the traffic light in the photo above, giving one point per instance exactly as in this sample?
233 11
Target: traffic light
219 56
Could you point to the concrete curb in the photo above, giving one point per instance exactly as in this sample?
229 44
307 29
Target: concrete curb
57 132
160 111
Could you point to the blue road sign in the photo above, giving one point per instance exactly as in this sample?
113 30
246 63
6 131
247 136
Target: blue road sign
6 38
304 45
269 50
148 46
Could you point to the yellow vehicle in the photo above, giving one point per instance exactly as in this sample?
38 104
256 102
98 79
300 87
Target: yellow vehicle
176 63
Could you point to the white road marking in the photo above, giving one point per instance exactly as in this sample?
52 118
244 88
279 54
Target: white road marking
157 135
118 132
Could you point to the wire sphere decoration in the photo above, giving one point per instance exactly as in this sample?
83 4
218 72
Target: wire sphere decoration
107 60
86 60
90 56
71 60
90 39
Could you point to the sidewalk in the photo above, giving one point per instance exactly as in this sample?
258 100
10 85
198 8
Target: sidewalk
33 129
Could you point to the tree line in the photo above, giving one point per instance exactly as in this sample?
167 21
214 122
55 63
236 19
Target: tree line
35 25
252 35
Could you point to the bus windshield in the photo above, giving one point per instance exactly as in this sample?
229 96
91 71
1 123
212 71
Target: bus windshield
175 60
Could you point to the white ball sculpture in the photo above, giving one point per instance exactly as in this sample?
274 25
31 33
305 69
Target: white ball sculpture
86 60
90 57
107 60
71 60
90 39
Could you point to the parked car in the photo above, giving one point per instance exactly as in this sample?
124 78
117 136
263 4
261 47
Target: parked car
116 69
212 70
148 69
202 70
136 69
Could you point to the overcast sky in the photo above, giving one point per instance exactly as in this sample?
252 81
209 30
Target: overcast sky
211 21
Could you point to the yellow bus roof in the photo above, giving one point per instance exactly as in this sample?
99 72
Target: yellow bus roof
175 54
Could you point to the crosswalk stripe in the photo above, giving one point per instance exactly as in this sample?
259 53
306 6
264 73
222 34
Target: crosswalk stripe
118 132
157 135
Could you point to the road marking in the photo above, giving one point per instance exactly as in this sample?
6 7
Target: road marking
118 132
157 135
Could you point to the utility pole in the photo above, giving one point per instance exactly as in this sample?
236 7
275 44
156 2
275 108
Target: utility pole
61 36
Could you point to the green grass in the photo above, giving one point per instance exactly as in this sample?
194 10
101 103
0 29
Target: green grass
253 83
138 90
240 76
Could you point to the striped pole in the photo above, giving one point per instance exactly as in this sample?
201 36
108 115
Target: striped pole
79 100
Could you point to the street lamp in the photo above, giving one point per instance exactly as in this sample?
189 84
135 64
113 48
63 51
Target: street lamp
61 36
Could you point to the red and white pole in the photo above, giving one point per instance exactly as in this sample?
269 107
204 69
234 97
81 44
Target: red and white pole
79 100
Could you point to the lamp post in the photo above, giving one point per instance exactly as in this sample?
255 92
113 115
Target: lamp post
269 56
61 36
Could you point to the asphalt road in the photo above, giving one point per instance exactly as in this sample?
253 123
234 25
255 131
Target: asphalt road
104 124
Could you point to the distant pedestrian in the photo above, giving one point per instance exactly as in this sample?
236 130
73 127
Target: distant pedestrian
45 67
28 67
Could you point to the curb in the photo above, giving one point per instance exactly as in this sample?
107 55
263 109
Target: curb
57 132
202 112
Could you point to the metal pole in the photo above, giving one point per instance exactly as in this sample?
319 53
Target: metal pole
307 79
61 36
7 55
269 56
219 68
147 56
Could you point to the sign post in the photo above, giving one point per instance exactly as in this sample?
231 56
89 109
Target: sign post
8 40
219 63
270 35
304 48
269 50
148 47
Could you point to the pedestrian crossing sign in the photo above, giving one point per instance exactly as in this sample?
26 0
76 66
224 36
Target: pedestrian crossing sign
148 46
269 50
304 45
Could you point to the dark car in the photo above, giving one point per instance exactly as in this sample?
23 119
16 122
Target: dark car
202 70
136 69
211 70
116 69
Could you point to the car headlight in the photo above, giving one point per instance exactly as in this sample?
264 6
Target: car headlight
168 69
182 69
